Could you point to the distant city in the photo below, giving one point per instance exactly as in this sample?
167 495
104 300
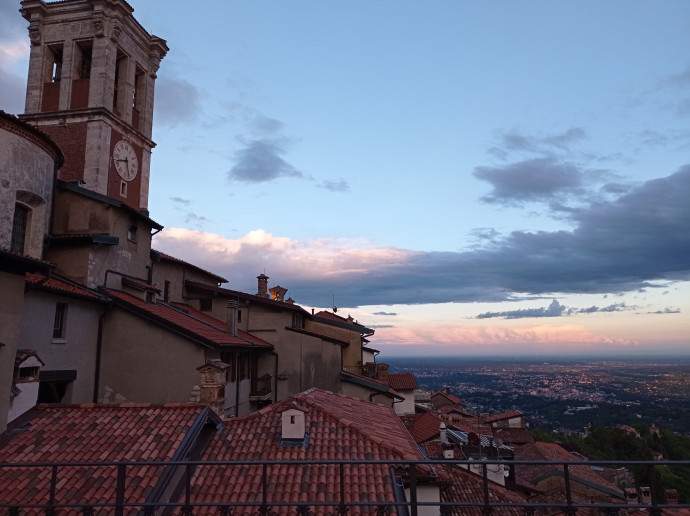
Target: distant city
564 394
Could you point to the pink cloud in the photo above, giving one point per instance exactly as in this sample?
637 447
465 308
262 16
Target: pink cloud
283 259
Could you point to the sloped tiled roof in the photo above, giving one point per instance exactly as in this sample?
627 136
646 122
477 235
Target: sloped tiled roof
339 428
402 381
513 435
503 415
341 321
192 326
371 383
91 433
450 397
425 427
203 316
466 487
534 474
172 259
62 286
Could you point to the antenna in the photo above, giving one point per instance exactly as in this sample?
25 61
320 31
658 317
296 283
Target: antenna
335 308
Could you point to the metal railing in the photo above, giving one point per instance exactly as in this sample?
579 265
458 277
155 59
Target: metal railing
178 477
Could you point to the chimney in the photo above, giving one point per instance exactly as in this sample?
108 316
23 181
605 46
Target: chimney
447 447
212 385
278 293
232 317
382 373
263 285
292 424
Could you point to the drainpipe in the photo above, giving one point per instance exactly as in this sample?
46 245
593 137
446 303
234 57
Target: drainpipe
275 377
238 380
99 347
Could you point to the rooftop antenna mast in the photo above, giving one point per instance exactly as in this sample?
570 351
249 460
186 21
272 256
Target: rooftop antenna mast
335 308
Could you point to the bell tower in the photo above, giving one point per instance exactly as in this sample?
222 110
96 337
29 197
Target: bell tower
92 72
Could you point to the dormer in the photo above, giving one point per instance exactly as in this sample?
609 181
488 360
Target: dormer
293 428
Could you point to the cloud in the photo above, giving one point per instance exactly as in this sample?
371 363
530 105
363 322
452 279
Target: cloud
12 92
496 339
335 186
616 307
261 161
516 141
180 200
177 102
384 313
14 50
537 179
555 309
666 311
639 240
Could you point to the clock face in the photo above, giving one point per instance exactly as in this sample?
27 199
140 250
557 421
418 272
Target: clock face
125 160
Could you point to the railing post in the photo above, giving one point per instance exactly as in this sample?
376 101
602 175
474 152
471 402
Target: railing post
87 510
225 510
413 490
264 488
50 510
486 510
120 489
342 508
187 509
382 510
568 494
303 510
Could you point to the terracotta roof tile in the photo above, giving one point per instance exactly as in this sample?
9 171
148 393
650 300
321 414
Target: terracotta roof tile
513 435
183 319
88 434
464 486
203 316
450 397
358 430
402 381
503 415
533 474
61 286
425 427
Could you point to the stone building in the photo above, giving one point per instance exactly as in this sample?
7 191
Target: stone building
112 319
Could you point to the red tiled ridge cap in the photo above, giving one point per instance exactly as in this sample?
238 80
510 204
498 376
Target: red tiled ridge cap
169 258
60 285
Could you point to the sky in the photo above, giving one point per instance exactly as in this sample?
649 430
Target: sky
465 177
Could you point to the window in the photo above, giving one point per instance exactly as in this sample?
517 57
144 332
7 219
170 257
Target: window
19 224
206 305
123 189
239 316
166 292
228 357
296 320
132 230
54 63
83 60
60 320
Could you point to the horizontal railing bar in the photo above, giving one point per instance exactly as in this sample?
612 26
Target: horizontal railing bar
448 462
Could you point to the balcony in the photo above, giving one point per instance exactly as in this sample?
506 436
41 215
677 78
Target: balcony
261 390
176 487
